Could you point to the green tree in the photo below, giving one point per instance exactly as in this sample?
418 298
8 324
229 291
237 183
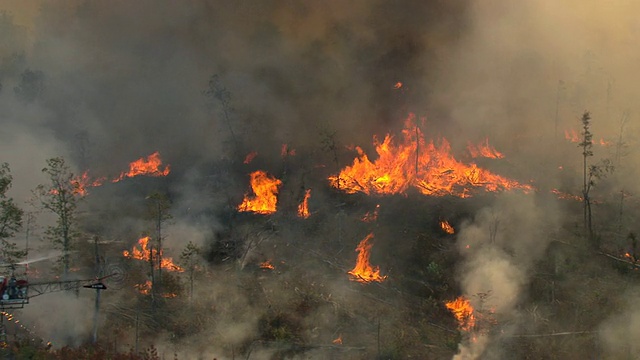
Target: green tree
59 197
10 218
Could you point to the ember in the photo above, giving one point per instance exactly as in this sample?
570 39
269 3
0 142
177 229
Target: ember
371 216
415 162
265 190
363 271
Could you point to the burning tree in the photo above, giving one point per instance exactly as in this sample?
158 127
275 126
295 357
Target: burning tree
59 198
10 218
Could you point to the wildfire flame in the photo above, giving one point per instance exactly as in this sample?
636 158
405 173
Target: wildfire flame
145 289
287 151
149 166
484 150
267 265
575 137
446 227
265 190
398 85
415 162
338 341
144 253
566 196
303 208
463 311
363 271
250 156
371 216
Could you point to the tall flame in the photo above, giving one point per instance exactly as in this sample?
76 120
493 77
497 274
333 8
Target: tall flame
363 271
144 253
265 191
303 208
149 166
463 311
415 162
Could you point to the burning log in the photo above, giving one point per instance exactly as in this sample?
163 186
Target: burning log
363 271
265 190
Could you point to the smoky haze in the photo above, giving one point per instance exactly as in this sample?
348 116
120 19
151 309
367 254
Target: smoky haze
118 80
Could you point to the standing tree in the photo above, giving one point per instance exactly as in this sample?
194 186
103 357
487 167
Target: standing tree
159 206
59 197
190 259
589 174
10 219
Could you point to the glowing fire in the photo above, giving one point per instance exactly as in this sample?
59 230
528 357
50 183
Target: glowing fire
82 182
446 227
463 311
267 265
145 288
265 190
303 208
371 216
363 271
575 137
144 253
338 341
287 151
415 162
566 196
398 85
250 156
149 166
484 150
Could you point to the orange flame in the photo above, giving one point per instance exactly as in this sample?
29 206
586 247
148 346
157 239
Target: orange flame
484 150
250 156
303 208
429 168
363 271
566 196
149 166
574 137
371 216
265 190
267 265
144 253
398 85
338 341
463 311
145 288
446 227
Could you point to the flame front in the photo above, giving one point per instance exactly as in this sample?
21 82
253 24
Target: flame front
415 162
446 227
265 190
144 253
363 271
303 208
463 311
